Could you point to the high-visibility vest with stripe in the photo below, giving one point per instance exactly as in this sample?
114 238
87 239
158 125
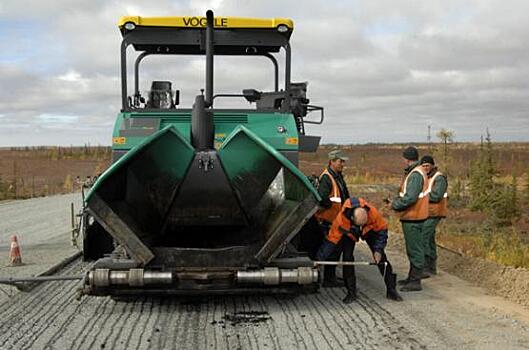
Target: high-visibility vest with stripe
419 210
342 224
439 209
328 214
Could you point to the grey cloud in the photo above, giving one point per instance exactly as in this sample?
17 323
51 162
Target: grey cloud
384 70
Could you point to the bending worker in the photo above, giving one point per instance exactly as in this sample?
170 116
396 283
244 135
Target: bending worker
437 209
360 220
333 191
412 207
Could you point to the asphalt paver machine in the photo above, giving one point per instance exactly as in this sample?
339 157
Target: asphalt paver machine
203 199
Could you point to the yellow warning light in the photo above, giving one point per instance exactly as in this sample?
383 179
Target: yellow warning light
119 140
291 141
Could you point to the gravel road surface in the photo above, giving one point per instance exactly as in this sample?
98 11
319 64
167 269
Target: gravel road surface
449 314
38 220
43 227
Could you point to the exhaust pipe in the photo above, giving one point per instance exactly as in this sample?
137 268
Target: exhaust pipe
209 58
202 129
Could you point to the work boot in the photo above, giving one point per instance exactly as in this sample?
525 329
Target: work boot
403 281
412 286
392 294
350 297
425 274
431 266
406 280
391 290
414 282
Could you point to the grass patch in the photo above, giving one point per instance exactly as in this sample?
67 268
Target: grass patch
504 246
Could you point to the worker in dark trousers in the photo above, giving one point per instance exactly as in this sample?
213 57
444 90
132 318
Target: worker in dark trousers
334 193
437 210
412 207
360 220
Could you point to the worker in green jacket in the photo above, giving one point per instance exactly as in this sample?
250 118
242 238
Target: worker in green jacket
412 207
437 209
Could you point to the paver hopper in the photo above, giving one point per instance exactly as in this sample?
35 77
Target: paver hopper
203 200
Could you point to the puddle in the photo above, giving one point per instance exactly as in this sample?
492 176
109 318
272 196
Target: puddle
244 318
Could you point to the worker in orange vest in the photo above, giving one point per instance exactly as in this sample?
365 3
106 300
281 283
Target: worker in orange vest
360 220
333 191
437 209
412 207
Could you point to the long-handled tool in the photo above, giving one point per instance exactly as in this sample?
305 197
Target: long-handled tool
13 280
21 283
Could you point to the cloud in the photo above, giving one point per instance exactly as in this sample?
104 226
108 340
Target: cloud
384 70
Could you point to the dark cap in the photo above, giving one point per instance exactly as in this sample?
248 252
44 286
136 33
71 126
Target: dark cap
337 154
411 153
427 160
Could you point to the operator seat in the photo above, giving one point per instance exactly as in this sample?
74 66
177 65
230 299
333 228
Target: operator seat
161 95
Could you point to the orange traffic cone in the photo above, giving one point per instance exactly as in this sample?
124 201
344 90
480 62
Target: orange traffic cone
14 252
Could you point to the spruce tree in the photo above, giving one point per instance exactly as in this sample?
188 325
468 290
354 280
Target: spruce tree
2 196
482 170
527 186
504 206
515 205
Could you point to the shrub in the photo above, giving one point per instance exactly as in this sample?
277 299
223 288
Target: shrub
481 177
505 247
504 206
68 183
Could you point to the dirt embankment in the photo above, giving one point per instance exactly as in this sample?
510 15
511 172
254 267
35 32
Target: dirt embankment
508 282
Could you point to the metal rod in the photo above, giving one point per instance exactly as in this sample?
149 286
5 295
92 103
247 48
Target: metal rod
137 72
344 263
209 58
124 97
11 280
227 95
72 213
287 76
276 70
311 108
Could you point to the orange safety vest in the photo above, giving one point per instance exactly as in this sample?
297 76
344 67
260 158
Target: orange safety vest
419 210
439 209
342 224
328 214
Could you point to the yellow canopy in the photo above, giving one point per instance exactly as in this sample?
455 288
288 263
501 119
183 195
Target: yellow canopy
198 22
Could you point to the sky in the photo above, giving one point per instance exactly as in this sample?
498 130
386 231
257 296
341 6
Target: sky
384 70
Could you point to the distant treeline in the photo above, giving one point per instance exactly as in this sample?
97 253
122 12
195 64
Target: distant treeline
62 152
35 171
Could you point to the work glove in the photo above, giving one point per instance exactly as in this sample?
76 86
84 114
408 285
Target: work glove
325 250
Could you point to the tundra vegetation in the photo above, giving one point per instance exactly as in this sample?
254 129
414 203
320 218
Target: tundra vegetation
488 190
27 172
488 185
